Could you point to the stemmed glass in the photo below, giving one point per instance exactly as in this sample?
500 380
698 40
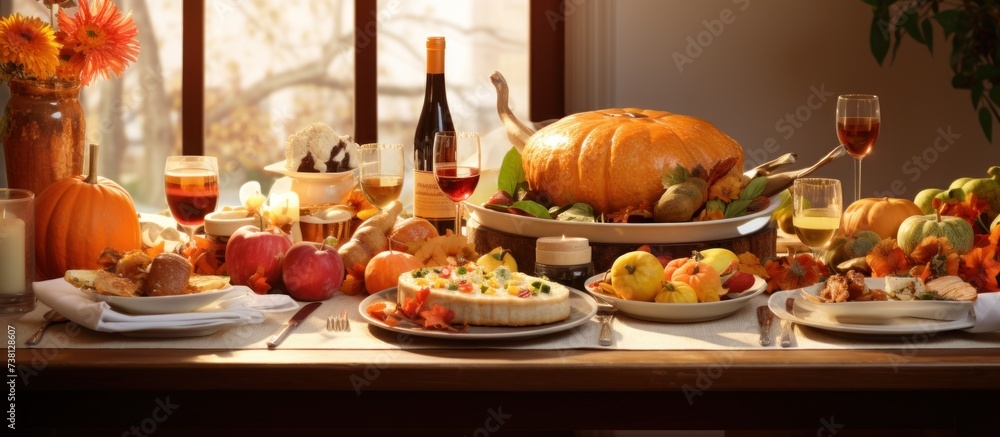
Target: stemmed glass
456 167
381 173
192 187
817 205
858 120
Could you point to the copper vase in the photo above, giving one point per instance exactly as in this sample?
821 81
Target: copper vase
44 138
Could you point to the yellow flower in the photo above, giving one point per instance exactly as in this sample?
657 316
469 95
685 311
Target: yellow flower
102 38
28 43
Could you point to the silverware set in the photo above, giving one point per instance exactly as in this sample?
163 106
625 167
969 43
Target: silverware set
765 318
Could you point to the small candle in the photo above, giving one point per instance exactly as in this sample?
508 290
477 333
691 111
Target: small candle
566 260
13 235
562 251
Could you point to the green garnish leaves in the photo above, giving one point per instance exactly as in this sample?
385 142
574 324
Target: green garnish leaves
578 212
453 287
674 176
511 173
462 270
753 189
531 207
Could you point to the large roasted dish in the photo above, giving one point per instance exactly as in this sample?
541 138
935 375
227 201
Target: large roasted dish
628 233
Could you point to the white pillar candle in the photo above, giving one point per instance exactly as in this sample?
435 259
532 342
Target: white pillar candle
12 255
562 251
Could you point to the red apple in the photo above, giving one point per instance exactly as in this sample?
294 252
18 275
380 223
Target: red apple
250 249
312 271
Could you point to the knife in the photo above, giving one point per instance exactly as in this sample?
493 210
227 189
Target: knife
299 316
787 326
764 318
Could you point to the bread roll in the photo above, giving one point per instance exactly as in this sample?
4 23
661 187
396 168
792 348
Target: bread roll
168 275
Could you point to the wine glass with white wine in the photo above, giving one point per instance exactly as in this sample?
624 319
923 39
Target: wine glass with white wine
381 173
817 205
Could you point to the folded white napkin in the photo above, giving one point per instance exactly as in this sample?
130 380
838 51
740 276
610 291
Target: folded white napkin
987 310
241 306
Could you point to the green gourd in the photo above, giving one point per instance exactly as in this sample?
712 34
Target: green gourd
914 229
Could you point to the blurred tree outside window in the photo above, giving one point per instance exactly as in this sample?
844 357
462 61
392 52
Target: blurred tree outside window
273 67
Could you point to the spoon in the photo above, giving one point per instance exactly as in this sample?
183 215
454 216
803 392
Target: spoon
50 317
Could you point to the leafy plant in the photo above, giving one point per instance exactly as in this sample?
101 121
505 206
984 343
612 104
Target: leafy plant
972 26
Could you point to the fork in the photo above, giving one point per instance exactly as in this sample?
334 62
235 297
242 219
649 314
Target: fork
605 315
338 323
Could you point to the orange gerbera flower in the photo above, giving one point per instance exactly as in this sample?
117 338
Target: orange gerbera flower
29 43
103 35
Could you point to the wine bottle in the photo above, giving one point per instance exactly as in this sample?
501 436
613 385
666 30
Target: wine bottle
428 200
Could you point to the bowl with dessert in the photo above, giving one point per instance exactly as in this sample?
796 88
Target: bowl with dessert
321 163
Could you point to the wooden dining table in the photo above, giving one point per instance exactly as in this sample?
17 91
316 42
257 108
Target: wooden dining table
467 391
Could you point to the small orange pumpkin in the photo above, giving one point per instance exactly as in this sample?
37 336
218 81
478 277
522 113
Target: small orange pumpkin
385 267
703 278
673 265
880 215
77 217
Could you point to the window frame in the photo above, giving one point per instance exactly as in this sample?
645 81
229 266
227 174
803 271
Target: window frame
546 64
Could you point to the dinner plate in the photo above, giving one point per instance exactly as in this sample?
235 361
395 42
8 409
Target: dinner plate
891 327
181 303
879 312
679 312
581 309
626 233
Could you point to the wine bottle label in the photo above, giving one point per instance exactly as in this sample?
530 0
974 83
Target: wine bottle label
428 200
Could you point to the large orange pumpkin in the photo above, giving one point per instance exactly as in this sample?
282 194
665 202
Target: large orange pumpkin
880 215
614 158
77 217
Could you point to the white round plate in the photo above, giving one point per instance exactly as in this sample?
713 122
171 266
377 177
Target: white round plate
629 233
880 312
679 312
181 303
581 309
894 326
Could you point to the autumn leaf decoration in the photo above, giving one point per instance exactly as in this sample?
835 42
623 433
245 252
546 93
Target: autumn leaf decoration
414 310
886 258
789 273
934 257
981 265
970 210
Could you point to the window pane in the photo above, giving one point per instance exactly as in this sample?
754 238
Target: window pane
482 36
135 118
273 67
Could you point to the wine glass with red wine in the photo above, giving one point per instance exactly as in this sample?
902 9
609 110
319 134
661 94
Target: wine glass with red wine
858 120
456 167
192 187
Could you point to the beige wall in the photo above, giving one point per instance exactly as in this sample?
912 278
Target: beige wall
769 62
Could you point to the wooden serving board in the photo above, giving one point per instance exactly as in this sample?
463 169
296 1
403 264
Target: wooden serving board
761 243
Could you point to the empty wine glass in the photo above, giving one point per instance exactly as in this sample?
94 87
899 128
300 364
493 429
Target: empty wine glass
192 187
456 167
858 120
817 206
381 173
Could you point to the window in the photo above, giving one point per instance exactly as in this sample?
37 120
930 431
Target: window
274 66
